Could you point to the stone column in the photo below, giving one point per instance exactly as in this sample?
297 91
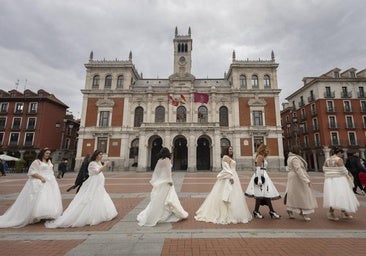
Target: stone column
315 160
142 162
192 153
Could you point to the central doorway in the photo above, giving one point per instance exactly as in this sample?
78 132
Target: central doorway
180 154
203 154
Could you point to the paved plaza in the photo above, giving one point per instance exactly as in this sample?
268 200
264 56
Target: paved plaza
130 193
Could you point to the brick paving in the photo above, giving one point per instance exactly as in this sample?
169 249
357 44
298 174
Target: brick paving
130 192
267 246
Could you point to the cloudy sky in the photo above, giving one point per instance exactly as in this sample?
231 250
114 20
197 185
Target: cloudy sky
44 44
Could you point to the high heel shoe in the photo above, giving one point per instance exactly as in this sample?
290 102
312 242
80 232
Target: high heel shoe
331 216
274 215
345 215
257 215
290 214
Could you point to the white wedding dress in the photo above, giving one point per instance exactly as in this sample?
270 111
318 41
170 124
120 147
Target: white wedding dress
37 200
90 206
164 205
337 192
225 203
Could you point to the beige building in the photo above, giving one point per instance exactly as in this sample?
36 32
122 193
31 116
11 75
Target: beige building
130 117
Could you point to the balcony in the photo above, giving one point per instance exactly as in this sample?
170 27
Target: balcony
348 110
315 128
15 127
331 110
31 128
313 113
350 126
301 103
361 95
333 126
329 95
32 112
346 95
18 112
311 99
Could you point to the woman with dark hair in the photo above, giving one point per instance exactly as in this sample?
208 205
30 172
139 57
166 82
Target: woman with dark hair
92 205
261 186
40 197
82 175
225 203
337 192
299 196
164 205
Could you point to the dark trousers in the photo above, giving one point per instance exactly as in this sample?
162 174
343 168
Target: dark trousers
356 181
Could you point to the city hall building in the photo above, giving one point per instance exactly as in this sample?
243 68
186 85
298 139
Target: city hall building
130 118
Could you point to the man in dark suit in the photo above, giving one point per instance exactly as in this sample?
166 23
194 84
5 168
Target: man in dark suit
354 166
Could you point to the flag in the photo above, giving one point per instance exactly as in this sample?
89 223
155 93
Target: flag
182 99
201 97
173 101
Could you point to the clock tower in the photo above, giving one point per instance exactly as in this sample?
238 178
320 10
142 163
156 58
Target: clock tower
182 54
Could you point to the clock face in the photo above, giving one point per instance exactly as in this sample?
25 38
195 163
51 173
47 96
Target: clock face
182 60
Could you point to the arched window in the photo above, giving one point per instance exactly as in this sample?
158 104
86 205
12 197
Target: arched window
243 81
224 116
181 114
267 81
108 82
202 114
120 81
139 116
96 80
160 114
255 81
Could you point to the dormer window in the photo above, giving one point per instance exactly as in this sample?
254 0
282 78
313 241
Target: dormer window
352 74
336 74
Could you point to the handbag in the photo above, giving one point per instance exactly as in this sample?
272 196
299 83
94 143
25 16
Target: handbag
256 180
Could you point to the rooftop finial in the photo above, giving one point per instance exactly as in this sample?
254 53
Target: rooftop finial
91 55
233 55
189 31
176 31
130 56
272 55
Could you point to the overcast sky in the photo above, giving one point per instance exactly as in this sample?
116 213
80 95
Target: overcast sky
44 44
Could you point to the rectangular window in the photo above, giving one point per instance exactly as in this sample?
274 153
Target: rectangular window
257 141
257 118
334 138
328 92
104 119
347 106
332 122
19 108
28 141
330 106
31 125
1 138
349 122
32 107
16 123
102 144
364 121
363 106
2 123
13 140
352 138
361 92
4 108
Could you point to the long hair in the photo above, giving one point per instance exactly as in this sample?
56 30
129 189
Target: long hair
164 153
95 154
41 154
296 149
337 150
261 150
226 152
